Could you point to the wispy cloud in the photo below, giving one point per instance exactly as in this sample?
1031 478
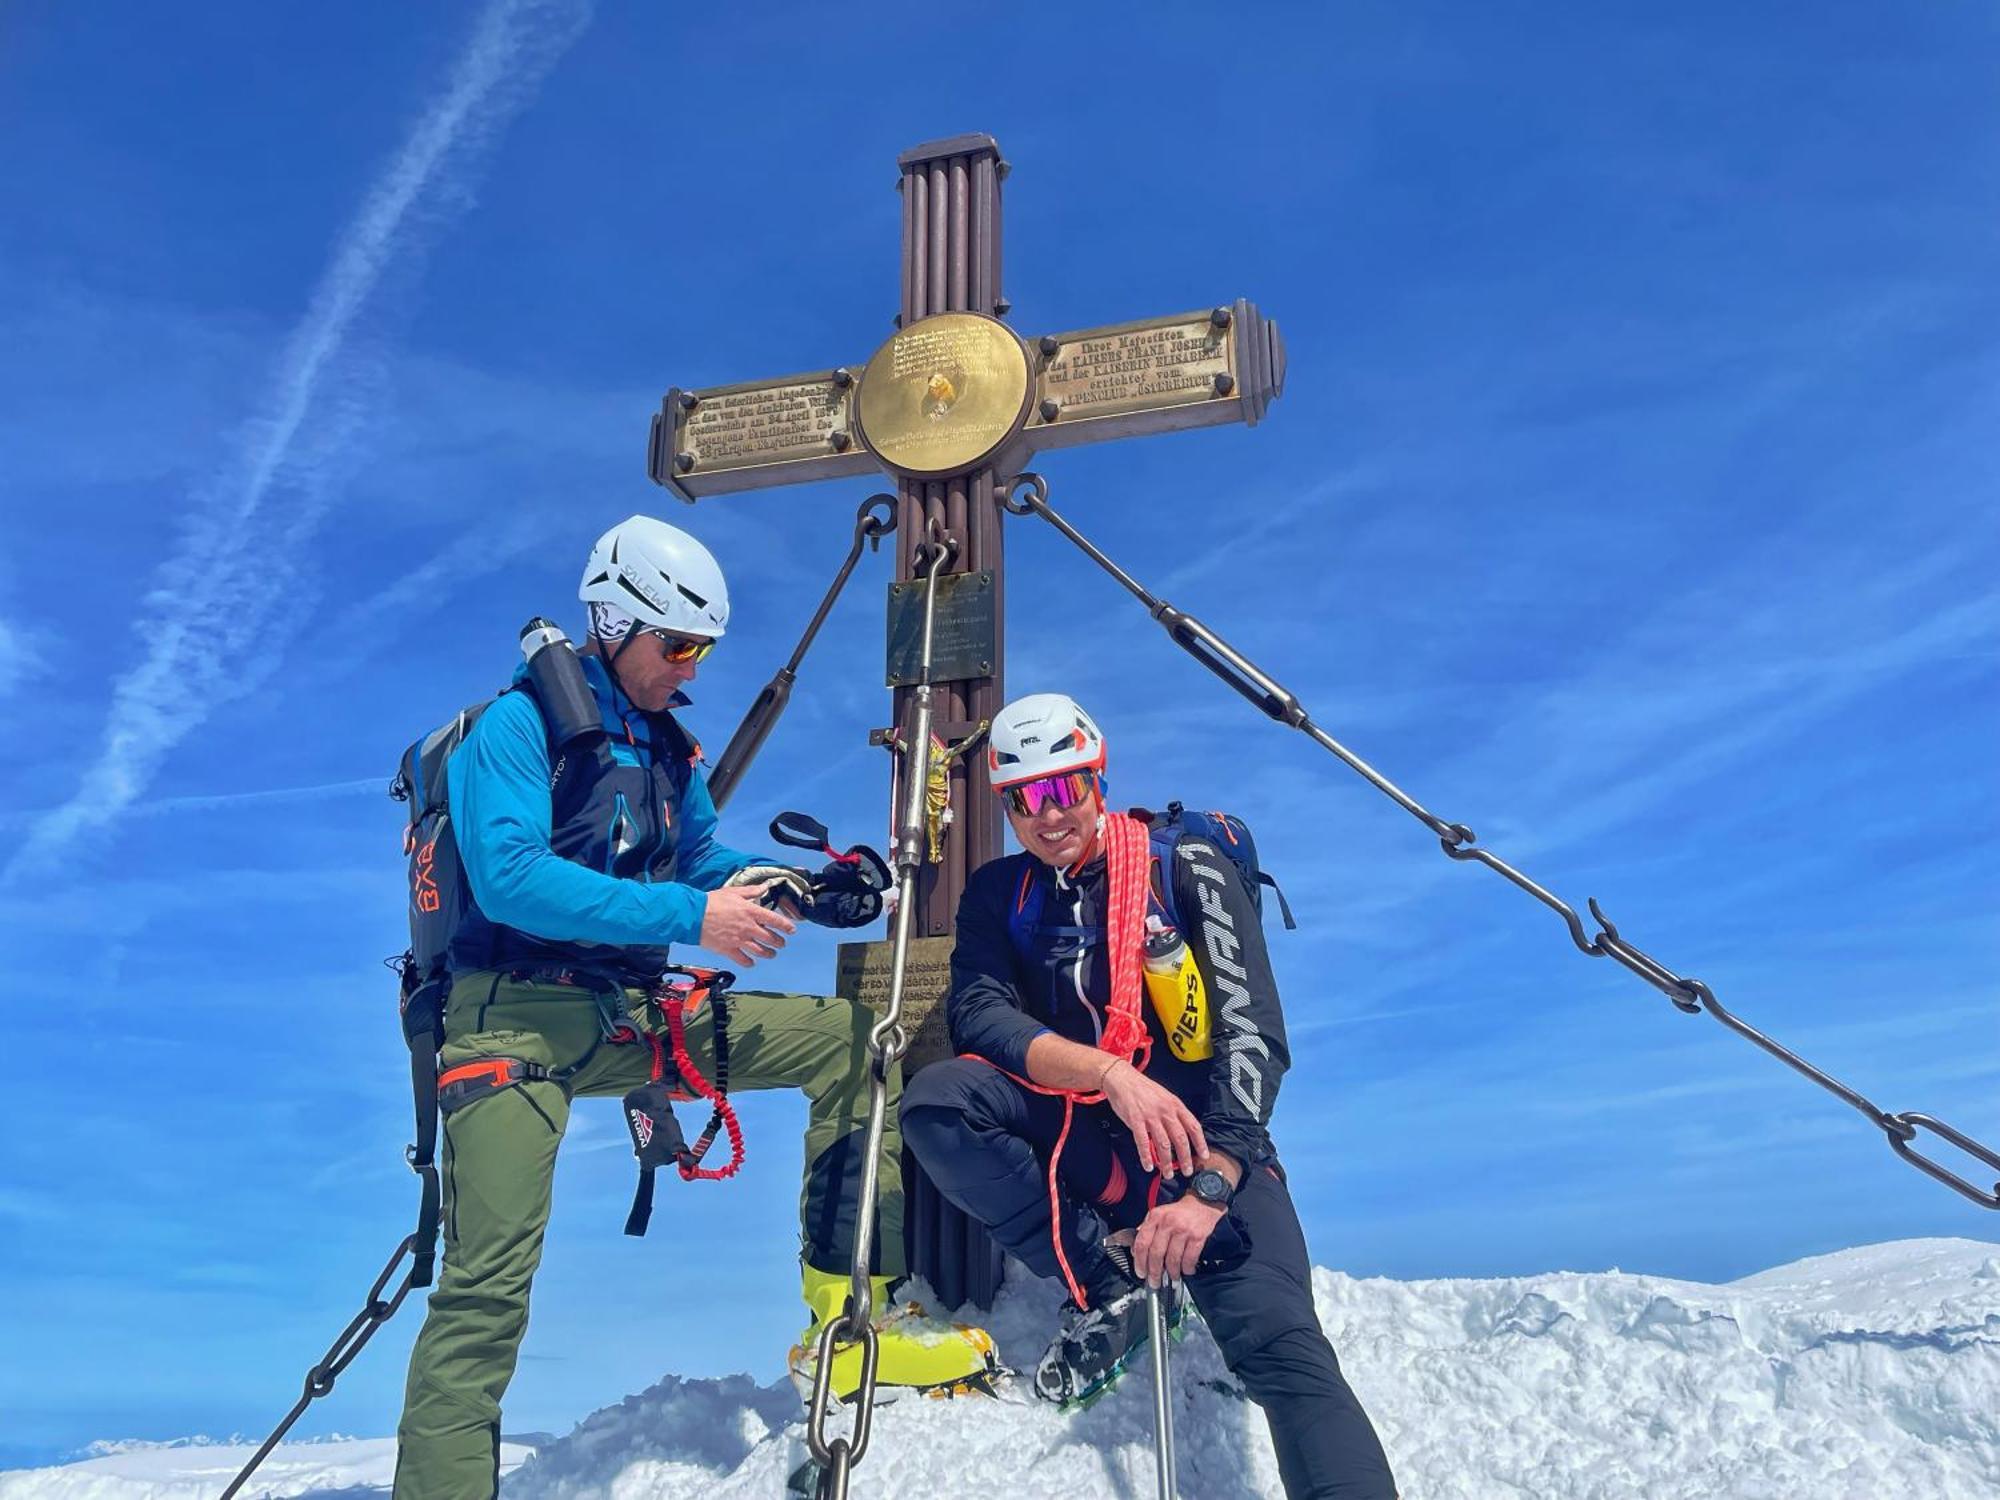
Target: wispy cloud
20 658
236 586
324 791
474 555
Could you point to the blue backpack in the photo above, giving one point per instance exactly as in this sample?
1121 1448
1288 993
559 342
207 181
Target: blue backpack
1164 831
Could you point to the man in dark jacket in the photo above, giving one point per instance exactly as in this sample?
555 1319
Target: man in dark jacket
1148 1134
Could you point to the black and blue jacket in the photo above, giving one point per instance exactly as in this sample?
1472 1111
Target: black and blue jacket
1013 981
602 862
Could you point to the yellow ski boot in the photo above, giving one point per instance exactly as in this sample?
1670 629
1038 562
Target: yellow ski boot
914 1351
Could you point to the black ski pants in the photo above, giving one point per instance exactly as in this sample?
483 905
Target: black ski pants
985 1142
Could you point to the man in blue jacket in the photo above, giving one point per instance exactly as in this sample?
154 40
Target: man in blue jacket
584 866
1114 1145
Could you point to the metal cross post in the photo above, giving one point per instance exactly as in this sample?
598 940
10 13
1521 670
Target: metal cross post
953 400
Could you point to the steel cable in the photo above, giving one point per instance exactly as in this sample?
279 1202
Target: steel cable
1027 494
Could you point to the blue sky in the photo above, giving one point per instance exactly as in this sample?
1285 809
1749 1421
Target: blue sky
1632 500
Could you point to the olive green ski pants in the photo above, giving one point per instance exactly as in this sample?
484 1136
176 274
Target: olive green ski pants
499 1157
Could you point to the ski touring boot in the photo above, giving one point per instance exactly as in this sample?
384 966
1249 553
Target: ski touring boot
1093 1345
914 1351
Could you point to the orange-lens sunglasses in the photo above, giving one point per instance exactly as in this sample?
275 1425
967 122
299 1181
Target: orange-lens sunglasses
680 649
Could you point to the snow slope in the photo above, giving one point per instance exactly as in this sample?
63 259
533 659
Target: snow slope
200 1470
1868 1373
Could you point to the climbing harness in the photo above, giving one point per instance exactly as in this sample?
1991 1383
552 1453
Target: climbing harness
874 520
887 1042
1027 494
649 1108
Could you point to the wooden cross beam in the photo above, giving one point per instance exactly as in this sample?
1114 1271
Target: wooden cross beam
950 406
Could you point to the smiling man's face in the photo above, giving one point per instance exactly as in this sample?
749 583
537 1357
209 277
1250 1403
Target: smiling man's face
1060 836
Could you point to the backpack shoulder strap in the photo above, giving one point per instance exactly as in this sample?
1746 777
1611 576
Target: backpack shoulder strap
1164 832
671 736
572 747
1165 837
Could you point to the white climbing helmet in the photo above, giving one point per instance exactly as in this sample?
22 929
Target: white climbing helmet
647 571
1043 734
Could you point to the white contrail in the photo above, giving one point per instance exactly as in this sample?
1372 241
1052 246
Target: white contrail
231 592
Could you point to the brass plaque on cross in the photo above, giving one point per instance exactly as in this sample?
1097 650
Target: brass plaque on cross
863 973
944 393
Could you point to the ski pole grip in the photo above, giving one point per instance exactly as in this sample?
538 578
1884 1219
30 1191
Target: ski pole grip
1208 648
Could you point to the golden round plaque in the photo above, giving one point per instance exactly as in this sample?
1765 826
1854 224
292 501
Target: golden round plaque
944 393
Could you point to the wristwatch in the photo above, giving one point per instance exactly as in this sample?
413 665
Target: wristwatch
1211 1187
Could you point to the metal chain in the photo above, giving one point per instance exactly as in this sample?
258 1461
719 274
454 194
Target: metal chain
886 1044
375 1311
1028 494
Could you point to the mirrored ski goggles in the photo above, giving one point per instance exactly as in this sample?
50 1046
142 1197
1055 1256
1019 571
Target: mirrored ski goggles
1066 790
680 649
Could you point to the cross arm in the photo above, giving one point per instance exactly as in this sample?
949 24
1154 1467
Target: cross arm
1195 369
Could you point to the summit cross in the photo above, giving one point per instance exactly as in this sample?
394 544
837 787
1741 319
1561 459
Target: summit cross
951 406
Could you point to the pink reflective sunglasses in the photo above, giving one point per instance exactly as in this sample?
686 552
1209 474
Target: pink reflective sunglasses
1065 790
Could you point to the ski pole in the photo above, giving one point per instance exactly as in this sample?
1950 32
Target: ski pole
1163 1406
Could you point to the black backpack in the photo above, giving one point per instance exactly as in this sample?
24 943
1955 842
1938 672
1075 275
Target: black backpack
439 893
1164 832
1228 833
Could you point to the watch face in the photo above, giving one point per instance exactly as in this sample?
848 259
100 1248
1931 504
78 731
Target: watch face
1210 1186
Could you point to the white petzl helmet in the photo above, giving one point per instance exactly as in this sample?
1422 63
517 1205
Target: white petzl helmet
658 575
1043 734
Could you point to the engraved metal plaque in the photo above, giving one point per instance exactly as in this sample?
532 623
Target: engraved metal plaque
943 394
863 974
963 636
764 424
1137 366
1197 369
756 434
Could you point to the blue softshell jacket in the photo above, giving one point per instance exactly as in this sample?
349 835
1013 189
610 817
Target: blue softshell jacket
611 877
1009 987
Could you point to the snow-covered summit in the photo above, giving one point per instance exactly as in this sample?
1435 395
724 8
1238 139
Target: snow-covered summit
1861 1375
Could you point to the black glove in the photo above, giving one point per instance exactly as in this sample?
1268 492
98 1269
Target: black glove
848 892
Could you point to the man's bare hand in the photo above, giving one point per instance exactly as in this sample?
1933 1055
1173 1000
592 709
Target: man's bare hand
736 926
1162 1127
1169 1243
